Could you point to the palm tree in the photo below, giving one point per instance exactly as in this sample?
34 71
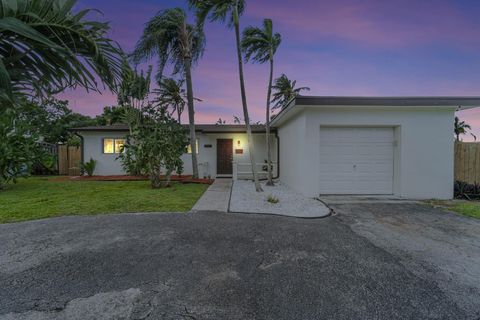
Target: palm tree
260 45
45 48
231 10
285 91
460 127
170 38
170 93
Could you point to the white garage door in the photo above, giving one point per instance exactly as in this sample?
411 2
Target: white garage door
356 160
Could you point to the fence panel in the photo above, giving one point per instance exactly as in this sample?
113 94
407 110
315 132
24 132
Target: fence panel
69 159
467 162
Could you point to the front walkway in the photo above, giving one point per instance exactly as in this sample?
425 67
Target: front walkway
216 198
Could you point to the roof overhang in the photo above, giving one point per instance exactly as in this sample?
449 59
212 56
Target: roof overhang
299 103
199 128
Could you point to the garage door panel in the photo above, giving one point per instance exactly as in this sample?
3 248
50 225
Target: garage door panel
356 160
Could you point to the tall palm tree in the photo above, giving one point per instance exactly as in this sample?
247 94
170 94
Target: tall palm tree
45 48
461 127
170 93
231 10
284 91
169 37
260 45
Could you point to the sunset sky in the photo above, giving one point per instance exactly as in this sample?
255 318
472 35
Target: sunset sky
342 47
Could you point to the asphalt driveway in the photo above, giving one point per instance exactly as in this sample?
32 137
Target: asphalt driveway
370 261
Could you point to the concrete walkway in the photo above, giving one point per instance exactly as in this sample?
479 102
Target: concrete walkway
216 198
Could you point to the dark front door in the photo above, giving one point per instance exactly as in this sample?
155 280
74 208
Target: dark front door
224 156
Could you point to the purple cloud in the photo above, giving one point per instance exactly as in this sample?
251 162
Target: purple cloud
346 47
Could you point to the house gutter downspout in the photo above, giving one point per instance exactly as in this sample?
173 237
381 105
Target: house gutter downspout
278 154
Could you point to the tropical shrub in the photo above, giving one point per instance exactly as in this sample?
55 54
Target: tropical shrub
464 190
272 199
155 146
46 47
89 167
18 148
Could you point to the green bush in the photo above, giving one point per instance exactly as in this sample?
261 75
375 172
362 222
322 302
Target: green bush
273 199
89 167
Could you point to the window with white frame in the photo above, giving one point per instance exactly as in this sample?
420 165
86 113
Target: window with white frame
113 146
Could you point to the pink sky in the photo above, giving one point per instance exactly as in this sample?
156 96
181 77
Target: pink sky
345 47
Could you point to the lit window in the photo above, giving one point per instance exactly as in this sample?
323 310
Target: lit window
113 145
119 145
189 148
108 146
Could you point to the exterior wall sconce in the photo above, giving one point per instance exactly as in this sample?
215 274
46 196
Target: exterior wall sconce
238 147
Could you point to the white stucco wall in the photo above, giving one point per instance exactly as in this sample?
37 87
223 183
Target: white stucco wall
423 164
207 157
108 164
292 136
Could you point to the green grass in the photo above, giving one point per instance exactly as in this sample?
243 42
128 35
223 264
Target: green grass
469 209
463 207
44 197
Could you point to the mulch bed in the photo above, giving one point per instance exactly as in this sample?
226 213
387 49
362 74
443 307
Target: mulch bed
181 179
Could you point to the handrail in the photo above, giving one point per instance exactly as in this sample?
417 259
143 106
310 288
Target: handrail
236 172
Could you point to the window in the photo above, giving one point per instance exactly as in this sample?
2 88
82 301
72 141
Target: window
189 148
113 145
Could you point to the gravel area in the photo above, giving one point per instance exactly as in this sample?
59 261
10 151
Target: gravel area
290 203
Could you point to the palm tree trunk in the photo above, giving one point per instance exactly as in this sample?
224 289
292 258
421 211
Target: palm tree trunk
191 116
267 127
251 147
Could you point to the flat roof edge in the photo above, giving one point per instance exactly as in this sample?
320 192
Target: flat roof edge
431 101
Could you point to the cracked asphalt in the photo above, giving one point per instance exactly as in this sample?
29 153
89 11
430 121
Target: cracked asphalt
369 261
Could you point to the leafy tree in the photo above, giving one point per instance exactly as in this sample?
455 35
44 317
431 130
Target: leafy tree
461 127
260 46
51 119
133 98
157 142
220 121
45 48
111 115
284 91
134 87
231 10
18 148
171 38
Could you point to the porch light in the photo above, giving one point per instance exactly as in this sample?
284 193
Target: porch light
239 144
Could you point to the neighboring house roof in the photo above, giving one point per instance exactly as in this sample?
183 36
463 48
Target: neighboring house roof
203 128
333 101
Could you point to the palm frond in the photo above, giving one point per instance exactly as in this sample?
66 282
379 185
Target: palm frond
45 48
284 90
260 45
216 10
168 37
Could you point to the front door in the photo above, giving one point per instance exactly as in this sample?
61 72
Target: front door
224 156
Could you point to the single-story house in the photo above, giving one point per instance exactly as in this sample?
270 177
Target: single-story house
221 149
401 146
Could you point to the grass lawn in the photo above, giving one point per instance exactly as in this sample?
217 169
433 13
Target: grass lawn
43 197
466 208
